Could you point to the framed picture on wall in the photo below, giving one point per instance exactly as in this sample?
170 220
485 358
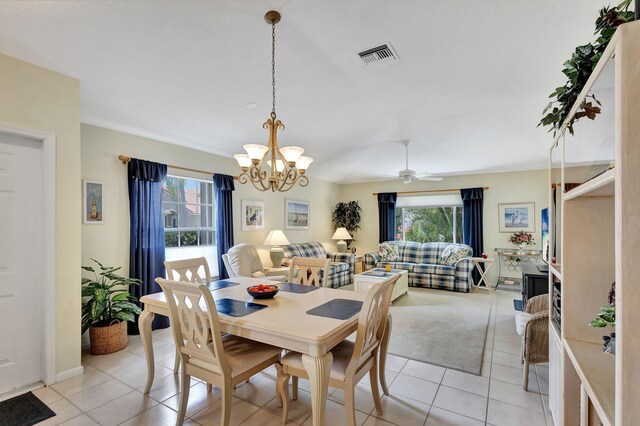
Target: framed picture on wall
296 214
252 215
92 210
515 217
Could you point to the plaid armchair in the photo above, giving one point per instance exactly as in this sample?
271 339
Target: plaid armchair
341 266
423 263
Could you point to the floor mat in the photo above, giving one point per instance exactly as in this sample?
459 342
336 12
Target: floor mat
24 410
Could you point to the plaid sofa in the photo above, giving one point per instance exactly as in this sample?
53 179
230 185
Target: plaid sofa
341 266
422 262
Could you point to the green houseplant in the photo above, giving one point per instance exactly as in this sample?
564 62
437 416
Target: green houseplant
107 305
607 317
347 215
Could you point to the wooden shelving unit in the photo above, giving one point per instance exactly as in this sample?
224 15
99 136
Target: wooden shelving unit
598 241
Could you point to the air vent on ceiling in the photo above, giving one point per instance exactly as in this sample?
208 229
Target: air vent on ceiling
380 54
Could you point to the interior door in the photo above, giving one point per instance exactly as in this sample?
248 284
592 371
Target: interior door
21 256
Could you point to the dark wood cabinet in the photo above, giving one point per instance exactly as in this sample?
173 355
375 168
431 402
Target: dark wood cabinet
535 281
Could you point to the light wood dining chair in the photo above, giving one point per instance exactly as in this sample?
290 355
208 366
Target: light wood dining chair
309 271
223 360
351 360
194 270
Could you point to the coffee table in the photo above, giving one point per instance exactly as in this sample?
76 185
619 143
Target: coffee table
364 281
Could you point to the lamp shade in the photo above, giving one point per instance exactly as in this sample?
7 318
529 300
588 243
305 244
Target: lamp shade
291 153
255 151
279 165
243 160
304 162
341 234
276 238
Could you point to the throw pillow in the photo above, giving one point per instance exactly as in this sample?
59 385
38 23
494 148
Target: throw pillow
452 254
388 252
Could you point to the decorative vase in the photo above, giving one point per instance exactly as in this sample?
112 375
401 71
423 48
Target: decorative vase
520 249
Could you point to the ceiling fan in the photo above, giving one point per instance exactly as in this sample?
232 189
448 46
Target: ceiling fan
407 175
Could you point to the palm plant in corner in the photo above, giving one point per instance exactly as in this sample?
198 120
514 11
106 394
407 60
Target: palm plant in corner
107 305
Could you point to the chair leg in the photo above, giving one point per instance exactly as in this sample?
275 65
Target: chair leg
185 382
282 390
384 345
373 377
525 375
350 403
176 363
294 386
225 417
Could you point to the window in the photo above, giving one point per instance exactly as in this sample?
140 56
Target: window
429 219
189 227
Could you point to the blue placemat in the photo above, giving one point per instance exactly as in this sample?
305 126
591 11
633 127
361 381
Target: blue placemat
296 288
341 309
217 285
237 308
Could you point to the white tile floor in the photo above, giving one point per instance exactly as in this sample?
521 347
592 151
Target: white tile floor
110 390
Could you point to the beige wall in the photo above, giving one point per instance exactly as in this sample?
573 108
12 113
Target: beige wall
38 99
530 186
110 241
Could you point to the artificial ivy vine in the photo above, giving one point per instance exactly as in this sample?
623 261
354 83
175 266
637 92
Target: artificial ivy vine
579 68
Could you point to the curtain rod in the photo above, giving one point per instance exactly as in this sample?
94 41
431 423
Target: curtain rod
126 159
430 190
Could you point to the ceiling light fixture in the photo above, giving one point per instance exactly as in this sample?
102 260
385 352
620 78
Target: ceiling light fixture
284 166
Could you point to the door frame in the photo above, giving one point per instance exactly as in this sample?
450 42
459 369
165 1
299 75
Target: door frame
48 141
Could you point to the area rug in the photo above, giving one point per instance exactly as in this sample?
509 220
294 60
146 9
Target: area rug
441 327
24 410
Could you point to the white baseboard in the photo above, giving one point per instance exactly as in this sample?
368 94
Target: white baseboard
64 375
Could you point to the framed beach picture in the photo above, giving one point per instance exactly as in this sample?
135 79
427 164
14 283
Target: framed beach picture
93 202
296 214
252 215
517 217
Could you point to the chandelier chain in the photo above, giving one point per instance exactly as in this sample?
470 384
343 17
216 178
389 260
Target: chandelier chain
273 69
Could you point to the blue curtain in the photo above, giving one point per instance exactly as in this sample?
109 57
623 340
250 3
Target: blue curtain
223 188
387 216
146 252
472 200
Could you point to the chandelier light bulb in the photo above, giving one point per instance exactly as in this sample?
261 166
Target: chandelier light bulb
279 165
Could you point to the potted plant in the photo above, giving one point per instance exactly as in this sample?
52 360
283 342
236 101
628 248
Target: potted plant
607 317
106 308
347 215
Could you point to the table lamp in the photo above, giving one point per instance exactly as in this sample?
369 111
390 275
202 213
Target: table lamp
276 238
341 234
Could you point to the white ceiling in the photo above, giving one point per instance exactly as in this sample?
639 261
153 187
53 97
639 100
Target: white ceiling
468 91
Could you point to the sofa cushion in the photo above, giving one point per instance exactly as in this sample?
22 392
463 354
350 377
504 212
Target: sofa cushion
521 321
423 268
453 253
335 267
397 265
388 252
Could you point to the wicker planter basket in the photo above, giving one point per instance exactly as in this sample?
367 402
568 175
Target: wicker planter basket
108 339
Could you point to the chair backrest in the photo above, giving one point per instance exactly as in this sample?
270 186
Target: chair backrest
194 327
188 270
371 322
243 260
310 271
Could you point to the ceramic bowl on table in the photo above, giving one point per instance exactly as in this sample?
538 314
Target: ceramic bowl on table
263 291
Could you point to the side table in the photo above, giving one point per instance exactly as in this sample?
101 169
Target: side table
483 274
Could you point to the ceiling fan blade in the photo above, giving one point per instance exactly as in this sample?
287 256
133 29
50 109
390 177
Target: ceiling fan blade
430 178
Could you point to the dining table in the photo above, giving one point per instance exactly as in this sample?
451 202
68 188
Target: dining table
285 322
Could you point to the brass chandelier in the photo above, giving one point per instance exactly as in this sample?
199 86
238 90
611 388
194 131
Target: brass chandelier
284 166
